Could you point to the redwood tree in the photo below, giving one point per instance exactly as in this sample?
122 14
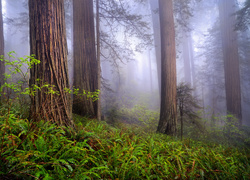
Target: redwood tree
230 57
48 43
168 109
85 62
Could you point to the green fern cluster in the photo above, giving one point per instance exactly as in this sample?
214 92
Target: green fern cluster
43 150
224 130
95 150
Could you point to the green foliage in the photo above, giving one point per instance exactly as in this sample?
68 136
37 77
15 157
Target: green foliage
15 92
187 106
21 66
224 130
17 64
90 95
227 130
95 150
187 103
98 151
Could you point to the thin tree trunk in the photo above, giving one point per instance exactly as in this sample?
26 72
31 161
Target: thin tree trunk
98 53
168 110
181 126
2 66
85 62
231 57
48 43
150 72
214 102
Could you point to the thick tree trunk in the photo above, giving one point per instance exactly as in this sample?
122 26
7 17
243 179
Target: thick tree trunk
48 43
85 62
231 57
168 111
2 67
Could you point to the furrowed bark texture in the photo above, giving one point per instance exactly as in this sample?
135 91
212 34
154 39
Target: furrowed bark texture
85 62
2 67
48 43
231 57
168 112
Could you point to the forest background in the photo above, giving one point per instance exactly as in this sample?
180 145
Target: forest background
140 66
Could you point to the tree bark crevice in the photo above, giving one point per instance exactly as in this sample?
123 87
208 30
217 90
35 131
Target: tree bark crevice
48 43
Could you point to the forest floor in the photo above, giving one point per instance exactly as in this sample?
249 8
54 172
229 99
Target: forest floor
96 150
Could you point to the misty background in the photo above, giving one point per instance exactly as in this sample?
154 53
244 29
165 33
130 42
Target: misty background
129 73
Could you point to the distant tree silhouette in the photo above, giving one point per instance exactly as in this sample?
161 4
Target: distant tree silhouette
230 57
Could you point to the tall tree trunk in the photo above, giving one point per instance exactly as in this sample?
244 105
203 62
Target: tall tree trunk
191 53
168 111
150 72
48 43
245 78
98 54
186 58
231 57
2 67
85 62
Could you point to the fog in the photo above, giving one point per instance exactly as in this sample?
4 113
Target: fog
130 55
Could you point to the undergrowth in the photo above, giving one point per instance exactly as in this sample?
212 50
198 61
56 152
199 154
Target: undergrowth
96 150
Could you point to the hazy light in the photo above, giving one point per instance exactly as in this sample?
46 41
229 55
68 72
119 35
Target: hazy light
4 6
